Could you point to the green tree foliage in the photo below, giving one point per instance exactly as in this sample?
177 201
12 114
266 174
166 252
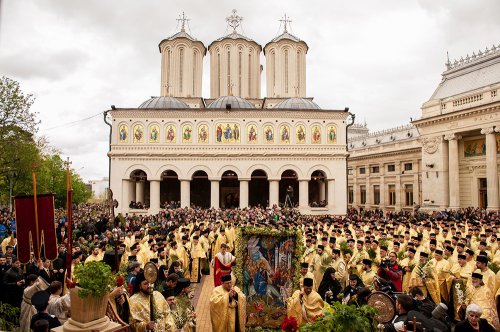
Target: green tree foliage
21 150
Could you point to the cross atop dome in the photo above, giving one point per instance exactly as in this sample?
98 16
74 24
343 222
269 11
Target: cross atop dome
234 20
286 22
183 20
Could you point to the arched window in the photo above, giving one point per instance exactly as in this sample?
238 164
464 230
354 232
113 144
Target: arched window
299 58
273 68
195 68
286 71
249 74
181 67
229 70
167 71
240 59
218 73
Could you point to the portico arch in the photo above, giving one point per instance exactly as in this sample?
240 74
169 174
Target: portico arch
139 189
289 184
258 188
200 189
318 189
229 190
170 188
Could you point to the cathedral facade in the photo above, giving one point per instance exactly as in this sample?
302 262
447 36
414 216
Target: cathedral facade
234 149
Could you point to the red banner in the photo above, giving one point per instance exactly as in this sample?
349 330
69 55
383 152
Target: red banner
28 235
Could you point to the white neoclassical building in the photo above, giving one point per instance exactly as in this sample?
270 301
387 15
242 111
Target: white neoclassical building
234 149
446 159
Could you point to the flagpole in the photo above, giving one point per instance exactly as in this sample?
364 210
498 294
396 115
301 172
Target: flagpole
36 244
69 215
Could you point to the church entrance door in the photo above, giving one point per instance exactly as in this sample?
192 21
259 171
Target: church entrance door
229 190
259 189
200 189
483 193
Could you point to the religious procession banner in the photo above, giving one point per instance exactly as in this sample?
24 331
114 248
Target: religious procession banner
35 226
268 272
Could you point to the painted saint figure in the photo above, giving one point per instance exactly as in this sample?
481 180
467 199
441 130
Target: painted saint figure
316 135
186 135
301 134
332 135
269 134
228 133
153 136
170 134
219 133
285 135
236 132
123 133
203 135
252 134
138 134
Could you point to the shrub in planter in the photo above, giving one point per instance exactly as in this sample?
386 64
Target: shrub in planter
341 317
90 296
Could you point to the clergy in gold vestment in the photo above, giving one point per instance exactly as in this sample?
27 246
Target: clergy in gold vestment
481 295
227 307
305 305
140 313
424 277
197 254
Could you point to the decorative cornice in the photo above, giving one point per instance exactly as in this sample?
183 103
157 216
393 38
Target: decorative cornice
424 122
233 158
385 154
134 113
471 60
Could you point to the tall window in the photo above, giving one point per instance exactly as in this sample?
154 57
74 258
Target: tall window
298 73
167 72
362 170
350 195
362 191
392 194
181 68
249 74
273 66
219 73
286 71
409 194
239 73
229 72
195 68
408 166
376 194
375 169
391 168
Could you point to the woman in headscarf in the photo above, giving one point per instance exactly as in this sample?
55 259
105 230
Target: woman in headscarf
355 284
330 287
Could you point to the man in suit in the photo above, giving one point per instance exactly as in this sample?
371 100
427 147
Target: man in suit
45 272
404 304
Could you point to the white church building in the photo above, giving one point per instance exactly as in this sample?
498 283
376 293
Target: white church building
235 149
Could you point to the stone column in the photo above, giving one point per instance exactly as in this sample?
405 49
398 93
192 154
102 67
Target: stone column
131 191
185 193
453 173
331 194
214 193
398 189
154 196
244 193
491 167
322 190
125 195
369 191
382 192
303 193
139 191
274 191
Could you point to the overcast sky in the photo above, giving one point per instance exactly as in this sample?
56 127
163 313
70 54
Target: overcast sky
381 58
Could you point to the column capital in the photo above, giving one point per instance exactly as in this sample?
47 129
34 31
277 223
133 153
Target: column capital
488 130
244 179
213 179
452 137
186 179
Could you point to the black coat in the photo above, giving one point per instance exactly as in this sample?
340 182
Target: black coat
464 326
53 321
13 292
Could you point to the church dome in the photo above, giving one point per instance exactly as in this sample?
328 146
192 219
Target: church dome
235 102
298 103
163 102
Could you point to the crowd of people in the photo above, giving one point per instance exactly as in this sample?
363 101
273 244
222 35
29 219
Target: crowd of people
440 268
